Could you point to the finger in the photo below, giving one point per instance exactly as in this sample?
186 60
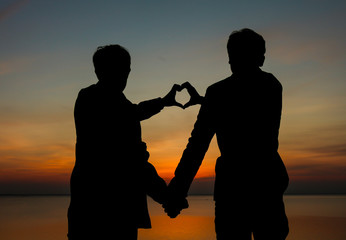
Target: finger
189 104
190 89
176 87
184 204
173 214
186 85
178 105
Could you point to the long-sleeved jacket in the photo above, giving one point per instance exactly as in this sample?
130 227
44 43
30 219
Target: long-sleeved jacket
111 176
244 112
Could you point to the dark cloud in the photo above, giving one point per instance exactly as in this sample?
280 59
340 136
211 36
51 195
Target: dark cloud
323 186
329 150
318 170
11 9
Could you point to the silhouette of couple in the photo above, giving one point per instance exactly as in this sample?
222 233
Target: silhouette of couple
112 176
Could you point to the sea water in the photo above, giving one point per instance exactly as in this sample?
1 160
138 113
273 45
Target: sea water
44 218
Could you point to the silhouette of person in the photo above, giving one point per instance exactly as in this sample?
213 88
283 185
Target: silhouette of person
244 111
112 175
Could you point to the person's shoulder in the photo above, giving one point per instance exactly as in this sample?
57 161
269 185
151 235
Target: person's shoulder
88 90
87 94
220 85
271 80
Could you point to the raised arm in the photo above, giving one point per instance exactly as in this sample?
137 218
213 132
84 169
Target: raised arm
191 160
195 150
147 109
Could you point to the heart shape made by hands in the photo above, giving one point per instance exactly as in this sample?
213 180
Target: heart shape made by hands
191 98
182 96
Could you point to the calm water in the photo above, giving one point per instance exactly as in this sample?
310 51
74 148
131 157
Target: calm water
38 218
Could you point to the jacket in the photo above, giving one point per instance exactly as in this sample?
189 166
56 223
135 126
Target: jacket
244 112
111 176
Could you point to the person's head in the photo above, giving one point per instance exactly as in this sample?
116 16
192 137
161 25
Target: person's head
112 65
246 50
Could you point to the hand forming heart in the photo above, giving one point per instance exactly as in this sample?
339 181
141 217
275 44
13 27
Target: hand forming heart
195 98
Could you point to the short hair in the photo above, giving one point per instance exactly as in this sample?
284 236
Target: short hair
111 57
247 45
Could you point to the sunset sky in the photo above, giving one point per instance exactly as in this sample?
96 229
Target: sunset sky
45 59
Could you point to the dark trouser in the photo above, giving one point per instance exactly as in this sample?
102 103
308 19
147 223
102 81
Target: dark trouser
238 219
117 234
83 227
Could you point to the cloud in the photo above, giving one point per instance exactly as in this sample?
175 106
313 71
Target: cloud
314 138
15 116
316 186
337 150
202 186
316 170
11 8
13 65
36 169
293 43
37 156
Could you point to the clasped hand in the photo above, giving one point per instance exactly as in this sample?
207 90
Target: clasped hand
195 98
174 206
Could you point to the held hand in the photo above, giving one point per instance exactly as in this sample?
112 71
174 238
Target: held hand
172 212
169 99
174 206
195 98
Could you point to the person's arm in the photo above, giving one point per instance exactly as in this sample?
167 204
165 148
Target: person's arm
190 161
83 115
277 108
147 109
196 148
275 112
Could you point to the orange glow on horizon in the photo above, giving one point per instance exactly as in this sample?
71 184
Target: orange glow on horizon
27 162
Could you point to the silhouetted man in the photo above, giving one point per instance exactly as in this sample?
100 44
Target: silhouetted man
244 112
112 177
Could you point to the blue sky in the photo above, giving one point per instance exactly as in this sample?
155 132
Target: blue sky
46 49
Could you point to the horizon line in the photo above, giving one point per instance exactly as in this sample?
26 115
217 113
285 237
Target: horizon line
194 194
